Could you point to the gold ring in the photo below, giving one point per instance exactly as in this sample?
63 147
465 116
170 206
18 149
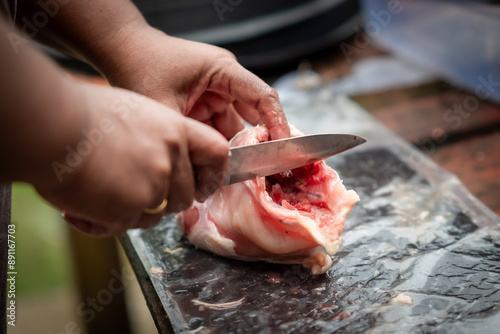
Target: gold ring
158 209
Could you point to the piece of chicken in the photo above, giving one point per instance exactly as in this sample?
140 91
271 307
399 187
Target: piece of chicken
292 217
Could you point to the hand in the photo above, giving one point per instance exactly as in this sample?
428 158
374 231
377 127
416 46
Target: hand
133 154
202 81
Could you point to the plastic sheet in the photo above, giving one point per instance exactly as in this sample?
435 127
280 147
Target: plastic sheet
419 253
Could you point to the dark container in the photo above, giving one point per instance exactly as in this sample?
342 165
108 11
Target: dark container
261 33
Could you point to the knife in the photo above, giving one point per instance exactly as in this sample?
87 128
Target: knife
276 156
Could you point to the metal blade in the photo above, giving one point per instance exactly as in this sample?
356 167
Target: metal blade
272 157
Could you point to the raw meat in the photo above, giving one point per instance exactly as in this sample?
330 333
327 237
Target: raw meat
292 217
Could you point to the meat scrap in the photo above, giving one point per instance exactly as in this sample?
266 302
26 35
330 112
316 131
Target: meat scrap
291 217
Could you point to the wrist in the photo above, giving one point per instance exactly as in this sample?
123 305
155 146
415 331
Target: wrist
67 157
123 50
148 62
62 158
57 159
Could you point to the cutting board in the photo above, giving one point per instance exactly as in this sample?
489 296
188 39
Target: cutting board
419 253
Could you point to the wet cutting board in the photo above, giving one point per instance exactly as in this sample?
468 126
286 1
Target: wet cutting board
419 253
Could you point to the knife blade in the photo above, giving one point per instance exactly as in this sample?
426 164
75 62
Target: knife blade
272 157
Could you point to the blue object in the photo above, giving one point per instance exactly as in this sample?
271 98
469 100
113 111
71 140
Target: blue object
460 40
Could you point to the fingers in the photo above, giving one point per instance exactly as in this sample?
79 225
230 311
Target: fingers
97 230
101 228
149 220
217 111
255 99
209 152
208 104
86 226
118 218
248 113
179 190
228 123
182 184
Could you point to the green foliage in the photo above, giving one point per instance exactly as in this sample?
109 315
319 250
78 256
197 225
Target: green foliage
43 259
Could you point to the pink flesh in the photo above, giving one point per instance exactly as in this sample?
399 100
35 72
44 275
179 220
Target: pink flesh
292 217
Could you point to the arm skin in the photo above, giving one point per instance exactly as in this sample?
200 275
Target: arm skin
41 113
144 153
148 153
201 81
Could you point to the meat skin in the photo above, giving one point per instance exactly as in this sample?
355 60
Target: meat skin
292 217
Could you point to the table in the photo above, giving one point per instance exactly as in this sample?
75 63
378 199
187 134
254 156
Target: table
419 252
416 114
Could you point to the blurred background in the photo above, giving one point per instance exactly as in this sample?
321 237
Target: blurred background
47 293
408 63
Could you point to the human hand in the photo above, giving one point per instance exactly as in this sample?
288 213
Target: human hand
134 153
204 82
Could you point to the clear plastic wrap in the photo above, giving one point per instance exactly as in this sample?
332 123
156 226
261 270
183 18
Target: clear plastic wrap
419 252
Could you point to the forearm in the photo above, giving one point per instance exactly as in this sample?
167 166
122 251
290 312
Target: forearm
40 115
91 30
195 79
